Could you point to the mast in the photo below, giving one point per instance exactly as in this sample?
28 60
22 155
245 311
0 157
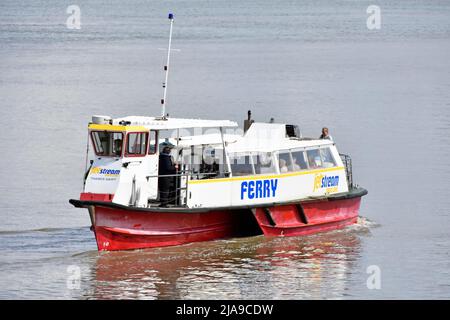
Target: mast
166 69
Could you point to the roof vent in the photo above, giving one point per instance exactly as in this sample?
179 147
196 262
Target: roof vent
101 120
249 121
293 131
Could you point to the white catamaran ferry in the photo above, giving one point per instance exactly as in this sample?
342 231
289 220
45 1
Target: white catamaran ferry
160 181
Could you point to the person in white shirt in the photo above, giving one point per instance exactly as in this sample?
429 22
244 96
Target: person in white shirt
325 134
283 166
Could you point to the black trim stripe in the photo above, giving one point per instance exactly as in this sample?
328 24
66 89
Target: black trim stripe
354 193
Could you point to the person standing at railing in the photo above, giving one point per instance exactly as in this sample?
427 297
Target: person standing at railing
165 183
325 134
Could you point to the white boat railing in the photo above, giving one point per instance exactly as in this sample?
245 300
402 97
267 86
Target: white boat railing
177 198
348 169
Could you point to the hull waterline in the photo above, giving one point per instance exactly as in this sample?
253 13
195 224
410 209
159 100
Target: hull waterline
121 228
308 218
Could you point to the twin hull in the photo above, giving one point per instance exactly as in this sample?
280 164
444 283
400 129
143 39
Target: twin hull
120 228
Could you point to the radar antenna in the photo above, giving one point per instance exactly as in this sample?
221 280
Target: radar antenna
166 69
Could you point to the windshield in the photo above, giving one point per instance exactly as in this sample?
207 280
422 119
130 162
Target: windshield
107 143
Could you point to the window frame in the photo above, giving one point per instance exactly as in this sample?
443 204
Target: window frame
133 155
288 165
254 157
319 148
332 157
305 159
320 155
239 155
156 142
95 146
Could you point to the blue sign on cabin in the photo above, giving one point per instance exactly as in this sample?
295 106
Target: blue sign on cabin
255 189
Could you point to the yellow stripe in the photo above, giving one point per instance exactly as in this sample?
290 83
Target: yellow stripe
254 177
110 127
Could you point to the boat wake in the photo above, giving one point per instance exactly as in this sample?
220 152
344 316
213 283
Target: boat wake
367 223
44 230
362 226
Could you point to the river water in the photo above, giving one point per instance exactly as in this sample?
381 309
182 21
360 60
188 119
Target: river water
383 93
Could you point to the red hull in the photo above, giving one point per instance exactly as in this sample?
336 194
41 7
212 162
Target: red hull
117 229
310 217
122 229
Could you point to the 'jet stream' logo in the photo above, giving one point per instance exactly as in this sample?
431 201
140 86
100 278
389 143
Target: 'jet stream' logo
106 172
323 181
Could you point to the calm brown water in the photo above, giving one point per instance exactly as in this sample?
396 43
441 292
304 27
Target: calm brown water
384 95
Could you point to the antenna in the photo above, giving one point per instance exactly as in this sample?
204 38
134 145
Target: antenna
166 69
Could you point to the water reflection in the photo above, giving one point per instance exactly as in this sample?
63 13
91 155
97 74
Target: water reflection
312 267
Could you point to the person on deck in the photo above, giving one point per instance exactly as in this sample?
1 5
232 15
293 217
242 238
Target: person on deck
165 184
325 134
283 166
295 165
118 147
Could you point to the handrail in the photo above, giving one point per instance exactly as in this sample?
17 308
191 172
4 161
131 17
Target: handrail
166 175
347 161
177 195
185 174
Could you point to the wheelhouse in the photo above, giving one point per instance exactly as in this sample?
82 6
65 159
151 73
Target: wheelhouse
121 141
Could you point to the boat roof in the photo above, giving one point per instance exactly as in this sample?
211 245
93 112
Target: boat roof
269 137
205 139
269 145
260 137
173 123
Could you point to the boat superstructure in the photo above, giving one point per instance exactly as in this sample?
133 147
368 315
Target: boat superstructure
225 182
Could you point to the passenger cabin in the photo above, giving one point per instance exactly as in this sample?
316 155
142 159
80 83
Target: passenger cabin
217 166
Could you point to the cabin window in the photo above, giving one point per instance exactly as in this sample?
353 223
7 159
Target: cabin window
241 165
314 159
327 158
284 161
263 163
152 142
137 144
107 144
298 161
211 163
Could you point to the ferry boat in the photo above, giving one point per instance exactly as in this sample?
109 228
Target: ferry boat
266 179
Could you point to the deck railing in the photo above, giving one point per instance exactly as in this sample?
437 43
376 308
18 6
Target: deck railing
177 198
195 175
348 169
